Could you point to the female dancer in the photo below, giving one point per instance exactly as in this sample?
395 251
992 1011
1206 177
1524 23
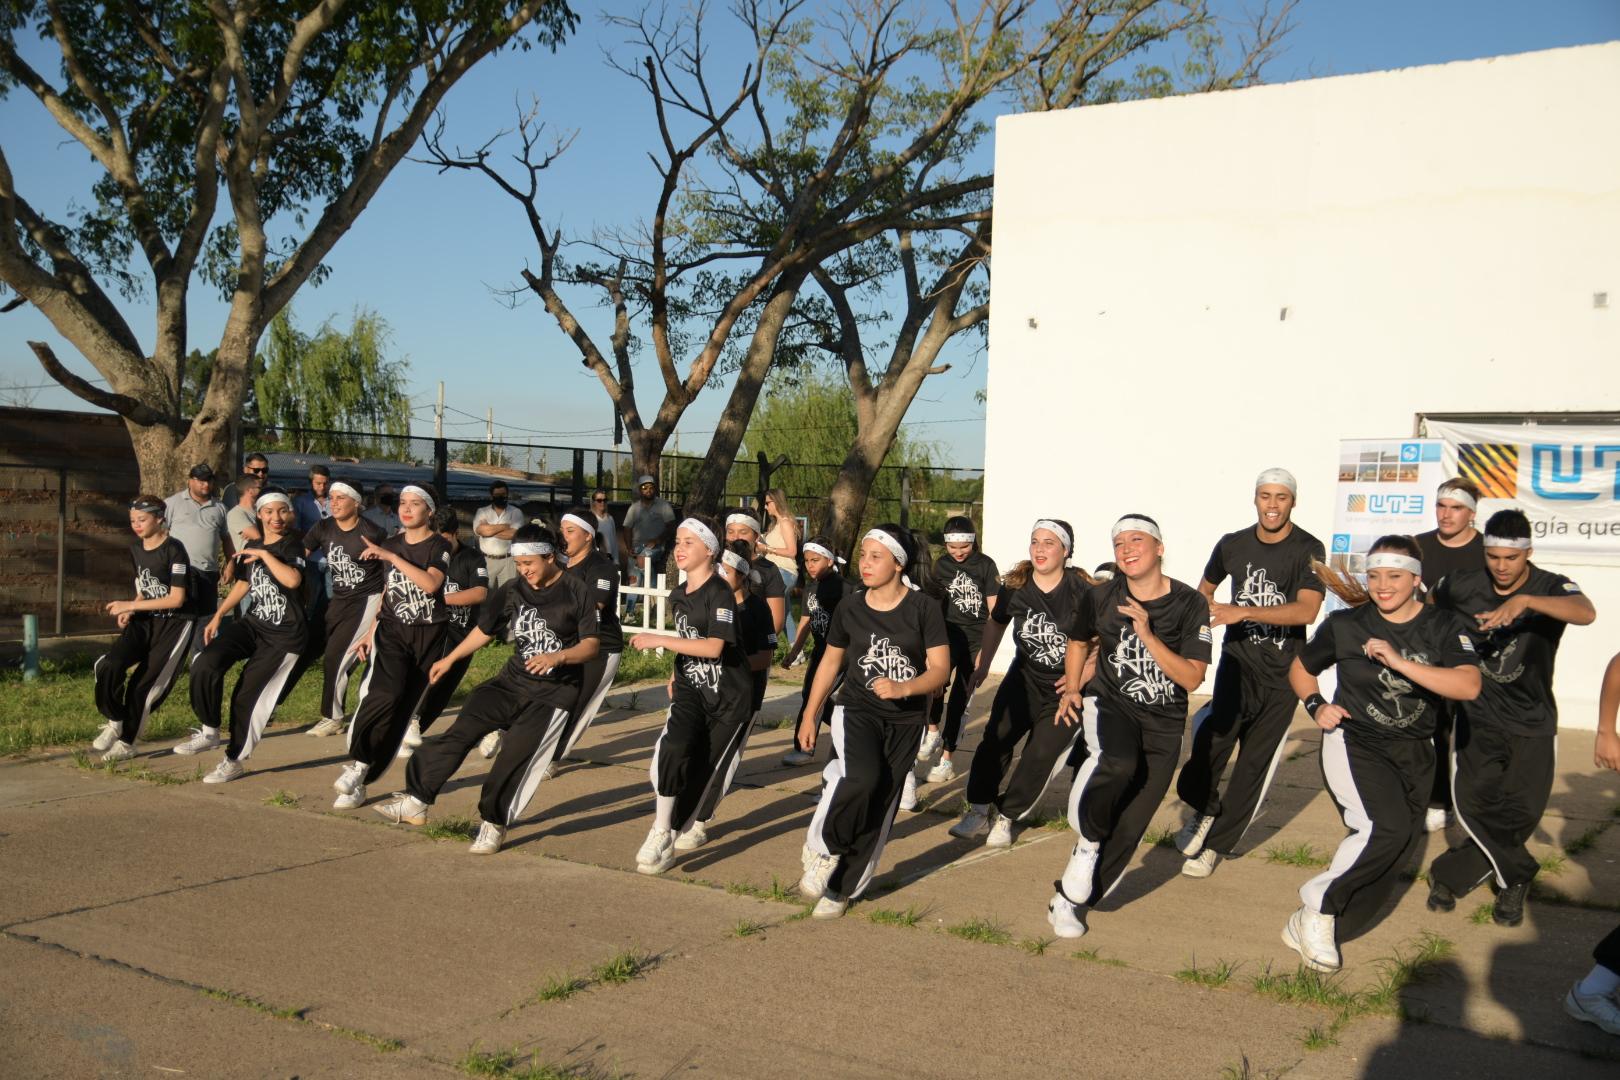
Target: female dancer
591 565
780 547
270 637
357 586
764 577
823 590
466 586
156 632
1397 660
709 691
1040 603
406 641
1153 646
550 617
971 582
889 644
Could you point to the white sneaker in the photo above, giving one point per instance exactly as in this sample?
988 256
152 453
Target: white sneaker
1001 833
1598 1009
942 773
657 852
1190 840
404 810
813 885
352 776
829 908
974 824
1436 819
198 741
551 770
908 793
807 856
796 756
119 751
326 727
106 737
1310 934
490 744
490 838
353 799
1200 865
226 771
1064 917
692 838
413 734
931 744
1080 876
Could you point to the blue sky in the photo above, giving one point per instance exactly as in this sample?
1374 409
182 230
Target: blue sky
430 249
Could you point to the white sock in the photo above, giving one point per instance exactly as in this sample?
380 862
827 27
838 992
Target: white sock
1599 982
211 732
664 817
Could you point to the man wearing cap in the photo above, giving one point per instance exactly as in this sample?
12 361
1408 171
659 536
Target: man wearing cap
649 527
197 520
495 525
1275 596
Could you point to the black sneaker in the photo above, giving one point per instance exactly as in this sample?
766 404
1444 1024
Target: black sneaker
1509 907
1441 898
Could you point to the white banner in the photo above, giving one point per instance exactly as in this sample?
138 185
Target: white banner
1566 479
1385 486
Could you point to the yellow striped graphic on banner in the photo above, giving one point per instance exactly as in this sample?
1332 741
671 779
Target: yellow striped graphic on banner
1494 467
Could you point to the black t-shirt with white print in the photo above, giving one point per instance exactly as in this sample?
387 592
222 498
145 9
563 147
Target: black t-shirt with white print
1440 561
351 575
968 586
157 571
765 580
1128 678
1041 620
273 609
890 644
1265 575
404 601
1381 703
1516 660
756 632
709 611
821 599
467 571
537 621
601 576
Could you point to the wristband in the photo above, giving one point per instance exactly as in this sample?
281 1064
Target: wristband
1312 703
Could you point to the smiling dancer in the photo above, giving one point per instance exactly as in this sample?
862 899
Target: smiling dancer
823 592
357 585
971 583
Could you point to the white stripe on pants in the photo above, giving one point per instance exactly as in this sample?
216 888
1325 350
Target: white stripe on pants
1342 786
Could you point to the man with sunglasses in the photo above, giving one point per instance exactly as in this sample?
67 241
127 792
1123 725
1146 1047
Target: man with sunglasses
606 529
255 465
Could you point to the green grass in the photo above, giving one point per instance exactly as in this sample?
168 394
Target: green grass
890 917
1481 915
1159 838
1037 946
747 928
1051 823
1303 855
1403 969
282 797
1319 1038
980 930
514 1065
1552 864
136 770
1419 875
1092 956
781 894
449 828
1213 977
558 988
231 997
1584 841
1302 986
637 665
621 967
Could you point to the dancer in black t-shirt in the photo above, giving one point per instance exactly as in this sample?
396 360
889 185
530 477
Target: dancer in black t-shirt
889 643
466 587
1275 596
1041 598
550 618
971 583
357 586
824 590
1506 739
406 641
588 562
1153 646
1397 661
764 579
155 632
270 575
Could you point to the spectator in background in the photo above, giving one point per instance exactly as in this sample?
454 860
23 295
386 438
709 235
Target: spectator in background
256 465
381 513
241 520
780 545
197 520
312 506
495 525
607 530
649 527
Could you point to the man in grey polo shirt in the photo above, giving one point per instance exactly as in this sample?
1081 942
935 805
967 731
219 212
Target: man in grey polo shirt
197 520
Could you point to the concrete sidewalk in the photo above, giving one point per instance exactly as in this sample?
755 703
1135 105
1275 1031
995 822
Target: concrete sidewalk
151 925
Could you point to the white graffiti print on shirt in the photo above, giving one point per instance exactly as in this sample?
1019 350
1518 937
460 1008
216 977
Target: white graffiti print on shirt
1498 655
702 673
406 599
532 635
459 616
346 570
1042 639
1398 693
1258 590
820 617
965 595
269 603
1140 676
883 660
149 587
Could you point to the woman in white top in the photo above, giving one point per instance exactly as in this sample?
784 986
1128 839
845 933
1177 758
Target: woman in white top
780 545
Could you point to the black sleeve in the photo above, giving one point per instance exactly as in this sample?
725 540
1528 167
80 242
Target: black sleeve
774 588
585 612
1308 581
991 585
1002 613
723 615
316 536
838 631
179 566
1442 594
1198 642
493 613
757 635
933 626
1215 569
1456 646
1320 653
1084 627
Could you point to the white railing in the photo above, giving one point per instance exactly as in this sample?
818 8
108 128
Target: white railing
657 592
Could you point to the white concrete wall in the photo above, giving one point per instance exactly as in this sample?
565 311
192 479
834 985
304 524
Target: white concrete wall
1436 235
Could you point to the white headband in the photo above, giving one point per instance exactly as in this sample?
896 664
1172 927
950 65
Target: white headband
1135 524
825 553
702 532
420 493
270 497
1277 476
1519 543
959 538
1053 527
895 547
580 523
532 547
1458 495
744 519
1394 560
338 487
734 560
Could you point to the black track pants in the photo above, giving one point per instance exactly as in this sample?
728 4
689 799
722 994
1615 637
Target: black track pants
1252 718
533 732
810 677
689 751
436 697
1121 782
1025 705
258 688
1501 783
860 793
1607 952
595 681
949 707
348 620
395 679
1444 728
155 648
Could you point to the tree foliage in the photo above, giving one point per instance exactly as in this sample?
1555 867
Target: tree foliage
312 389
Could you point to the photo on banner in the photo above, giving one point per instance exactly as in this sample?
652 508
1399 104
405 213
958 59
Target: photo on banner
1385 486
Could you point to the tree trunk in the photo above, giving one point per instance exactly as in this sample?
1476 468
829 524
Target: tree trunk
846 502
157 458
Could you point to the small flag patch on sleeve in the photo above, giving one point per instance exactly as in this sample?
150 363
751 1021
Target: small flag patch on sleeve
723 615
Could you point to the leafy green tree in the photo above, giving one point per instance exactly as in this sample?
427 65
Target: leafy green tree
312 387
294 111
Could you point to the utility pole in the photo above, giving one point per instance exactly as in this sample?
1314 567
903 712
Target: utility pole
438 415
489 436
